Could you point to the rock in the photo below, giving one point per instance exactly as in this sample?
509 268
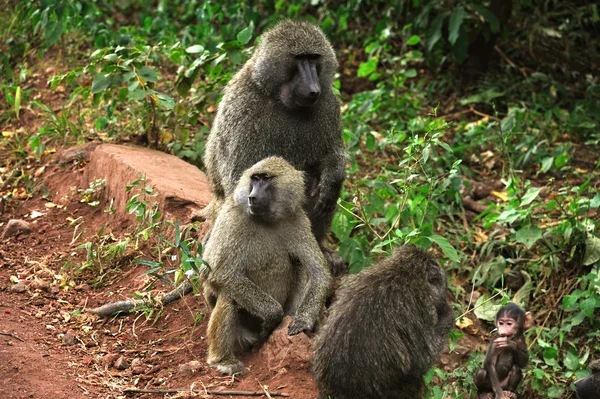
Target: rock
39 285
81 151
138 366
16 227
69 338
19 287
190 367
283 351
82 287
121 363
182 188
109 359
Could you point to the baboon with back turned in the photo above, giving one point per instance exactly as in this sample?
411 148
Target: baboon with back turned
264 263
386 328
281 103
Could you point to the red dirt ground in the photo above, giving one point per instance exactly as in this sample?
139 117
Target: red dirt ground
34 361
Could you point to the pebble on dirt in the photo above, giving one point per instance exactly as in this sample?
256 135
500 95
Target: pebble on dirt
69 338
19 287
15 227
121 363
190 367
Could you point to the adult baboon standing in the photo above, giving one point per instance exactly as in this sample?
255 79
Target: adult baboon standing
281 103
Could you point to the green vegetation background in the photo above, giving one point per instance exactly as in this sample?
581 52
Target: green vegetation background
443 100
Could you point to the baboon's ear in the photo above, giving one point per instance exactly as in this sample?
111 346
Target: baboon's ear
528 320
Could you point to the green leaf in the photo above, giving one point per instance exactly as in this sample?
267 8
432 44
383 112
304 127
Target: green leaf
148 74
488 15
413 40
245 34
445 246
52 32
587 307
195 49
529 235
100 83
592 250
367 68
530 195
111 57
456 19
17 106
434 33
137 94
411 73
595 202
164 101
508 124
486 309
547 164
147 263
571 361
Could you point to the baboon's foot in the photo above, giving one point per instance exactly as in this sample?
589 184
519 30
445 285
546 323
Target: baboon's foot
336 264
490 395
229 367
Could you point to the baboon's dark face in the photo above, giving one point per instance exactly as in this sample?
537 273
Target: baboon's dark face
295 64
261 195
589 387
304 88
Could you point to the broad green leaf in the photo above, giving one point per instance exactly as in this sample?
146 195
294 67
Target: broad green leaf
413 40
434 33
486 309
592 250
456 19
569 302
530 195
460 49
195 49
52 32
111 57
529 235
137 94
595 202
245 34
445 246
411 73
571 361
547 164
148 74
588 306
367 68
100 83
164 101
508 124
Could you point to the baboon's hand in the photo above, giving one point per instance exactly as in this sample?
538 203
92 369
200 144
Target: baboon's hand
272 321
297 326
327 201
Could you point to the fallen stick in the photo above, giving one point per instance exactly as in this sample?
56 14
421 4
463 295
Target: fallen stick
12 335
223 393
127 306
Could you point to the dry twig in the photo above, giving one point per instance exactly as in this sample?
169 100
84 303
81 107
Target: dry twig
223 393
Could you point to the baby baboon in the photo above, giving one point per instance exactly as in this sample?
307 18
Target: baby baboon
589 387
281 103
264 263
387 327
506 355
